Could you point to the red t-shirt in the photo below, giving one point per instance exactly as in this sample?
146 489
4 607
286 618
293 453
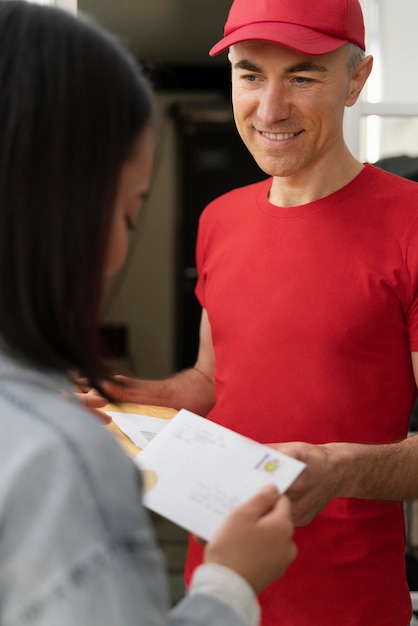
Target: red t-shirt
314 313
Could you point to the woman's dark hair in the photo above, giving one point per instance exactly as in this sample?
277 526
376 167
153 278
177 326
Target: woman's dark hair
72 104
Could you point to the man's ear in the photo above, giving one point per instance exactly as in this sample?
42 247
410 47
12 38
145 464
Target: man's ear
358 80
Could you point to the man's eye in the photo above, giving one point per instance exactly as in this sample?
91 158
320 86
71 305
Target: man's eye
250 78
301 79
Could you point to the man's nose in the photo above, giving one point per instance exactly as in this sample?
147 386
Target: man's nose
274 104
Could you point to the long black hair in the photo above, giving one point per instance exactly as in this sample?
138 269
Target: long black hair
72 103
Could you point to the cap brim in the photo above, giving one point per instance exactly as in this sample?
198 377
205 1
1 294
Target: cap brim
292 36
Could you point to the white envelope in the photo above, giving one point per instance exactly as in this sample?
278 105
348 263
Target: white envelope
195 472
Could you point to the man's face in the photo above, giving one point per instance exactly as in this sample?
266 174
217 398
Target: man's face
289 106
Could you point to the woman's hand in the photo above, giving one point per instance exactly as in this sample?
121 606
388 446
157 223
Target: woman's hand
256 539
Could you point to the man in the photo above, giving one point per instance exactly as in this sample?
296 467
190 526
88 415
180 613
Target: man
309 333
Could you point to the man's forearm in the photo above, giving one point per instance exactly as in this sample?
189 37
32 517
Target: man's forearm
351 470
378 472
190 389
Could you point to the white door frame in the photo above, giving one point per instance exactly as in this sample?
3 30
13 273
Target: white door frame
361 109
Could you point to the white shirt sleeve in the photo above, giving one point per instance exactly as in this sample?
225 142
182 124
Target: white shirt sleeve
229 587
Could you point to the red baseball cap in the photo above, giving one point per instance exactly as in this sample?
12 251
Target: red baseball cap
309 26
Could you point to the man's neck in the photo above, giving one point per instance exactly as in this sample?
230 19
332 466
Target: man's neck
315 182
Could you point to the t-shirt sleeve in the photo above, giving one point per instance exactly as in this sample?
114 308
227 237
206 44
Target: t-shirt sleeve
200 285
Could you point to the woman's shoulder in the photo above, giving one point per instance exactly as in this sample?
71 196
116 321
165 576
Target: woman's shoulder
51 444
70 502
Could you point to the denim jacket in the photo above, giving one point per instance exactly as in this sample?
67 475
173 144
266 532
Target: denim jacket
76 545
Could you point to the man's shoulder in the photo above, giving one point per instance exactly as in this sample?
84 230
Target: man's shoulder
247 192
232 204
390 180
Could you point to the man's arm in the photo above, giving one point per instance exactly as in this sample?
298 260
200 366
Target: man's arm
351 470
191 389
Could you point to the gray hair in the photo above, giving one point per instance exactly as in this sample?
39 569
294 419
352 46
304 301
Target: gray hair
355 56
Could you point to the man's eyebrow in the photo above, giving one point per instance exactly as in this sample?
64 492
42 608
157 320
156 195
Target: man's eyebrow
248 66
305 67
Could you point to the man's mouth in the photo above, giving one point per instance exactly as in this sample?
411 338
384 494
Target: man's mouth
279 136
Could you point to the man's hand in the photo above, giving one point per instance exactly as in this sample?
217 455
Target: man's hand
121 388
319 481
93 400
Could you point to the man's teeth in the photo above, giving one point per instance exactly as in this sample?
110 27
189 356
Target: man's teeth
279 136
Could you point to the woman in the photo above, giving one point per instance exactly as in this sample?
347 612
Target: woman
76 546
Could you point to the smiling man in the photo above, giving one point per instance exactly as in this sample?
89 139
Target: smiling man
308 283
288 109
